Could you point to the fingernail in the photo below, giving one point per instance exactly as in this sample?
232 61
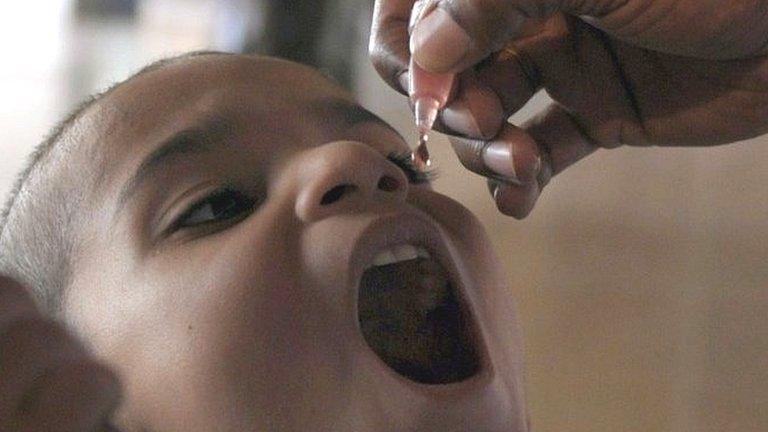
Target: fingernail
459 118
493 188
403 80
438 42
497 157
476 113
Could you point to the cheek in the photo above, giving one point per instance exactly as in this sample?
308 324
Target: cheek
251 335
231 294
191 324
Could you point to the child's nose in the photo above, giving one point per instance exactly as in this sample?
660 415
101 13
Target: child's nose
346 176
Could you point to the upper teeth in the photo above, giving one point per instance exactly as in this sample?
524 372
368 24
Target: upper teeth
399 253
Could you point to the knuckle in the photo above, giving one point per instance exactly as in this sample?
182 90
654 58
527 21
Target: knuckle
33 337
14 316
102 376
7 281
88 377
378 57
76 391
385 58
34 328
14 299
388 49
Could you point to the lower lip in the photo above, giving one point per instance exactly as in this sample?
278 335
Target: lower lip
389 232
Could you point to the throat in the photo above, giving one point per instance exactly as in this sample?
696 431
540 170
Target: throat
412 318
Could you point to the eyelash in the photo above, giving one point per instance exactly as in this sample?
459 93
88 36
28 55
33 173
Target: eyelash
414 174
239 203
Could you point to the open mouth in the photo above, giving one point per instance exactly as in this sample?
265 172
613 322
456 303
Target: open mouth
414 319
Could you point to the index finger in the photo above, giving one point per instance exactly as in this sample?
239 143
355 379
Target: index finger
388 45
15 302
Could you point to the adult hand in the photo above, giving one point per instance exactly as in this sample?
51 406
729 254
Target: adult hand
636 72
47 380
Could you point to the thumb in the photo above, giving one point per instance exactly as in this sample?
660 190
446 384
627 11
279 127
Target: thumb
456 34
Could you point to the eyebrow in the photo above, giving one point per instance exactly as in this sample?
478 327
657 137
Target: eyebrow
194 140
213 132
349 112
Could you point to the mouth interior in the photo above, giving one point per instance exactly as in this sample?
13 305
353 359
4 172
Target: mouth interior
413 319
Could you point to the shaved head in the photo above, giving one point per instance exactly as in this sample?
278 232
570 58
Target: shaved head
41 219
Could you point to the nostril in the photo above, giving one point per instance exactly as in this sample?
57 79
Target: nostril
388 184
336 193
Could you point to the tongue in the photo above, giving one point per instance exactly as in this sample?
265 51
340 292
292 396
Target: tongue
411 317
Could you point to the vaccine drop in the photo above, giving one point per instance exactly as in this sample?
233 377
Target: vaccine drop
420 156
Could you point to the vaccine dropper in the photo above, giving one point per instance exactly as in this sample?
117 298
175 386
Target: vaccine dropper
427 91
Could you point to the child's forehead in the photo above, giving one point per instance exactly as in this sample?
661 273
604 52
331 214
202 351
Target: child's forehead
210 81
262 93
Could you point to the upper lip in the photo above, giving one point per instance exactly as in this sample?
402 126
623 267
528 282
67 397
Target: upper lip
418 230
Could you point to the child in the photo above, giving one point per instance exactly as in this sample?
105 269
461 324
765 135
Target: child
245 248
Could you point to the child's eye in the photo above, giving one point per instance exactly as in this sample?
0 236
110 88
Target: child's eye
415 175
222 205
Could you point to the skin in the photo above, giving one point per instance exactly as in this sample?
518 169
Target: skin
49 380
250 322
637 72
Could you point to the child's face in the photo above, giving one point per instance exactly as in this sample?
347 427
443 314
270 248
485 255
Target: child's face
228 271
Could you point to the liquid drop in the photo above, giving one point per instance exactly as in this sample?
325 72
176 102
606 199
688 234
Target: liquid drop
420 157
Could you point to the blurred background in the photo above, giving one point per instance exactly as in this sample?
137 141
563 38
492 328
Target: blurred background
640 277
